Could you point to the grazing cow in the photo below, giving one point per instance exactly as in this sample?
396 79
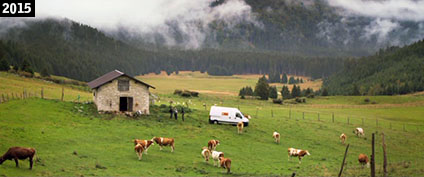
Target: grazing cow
212 144
363 159
248 116
215 156
240 127
20 153
276 136
139 150
206 153
359 132
161 141
145 143
343 138
225 163
297 153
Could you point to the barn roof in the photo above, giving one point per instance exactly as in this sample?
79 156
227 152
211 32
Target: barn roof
111 76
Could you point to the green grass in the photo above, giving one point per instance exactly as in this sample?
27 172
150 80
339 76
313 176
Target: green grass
16 85
57 129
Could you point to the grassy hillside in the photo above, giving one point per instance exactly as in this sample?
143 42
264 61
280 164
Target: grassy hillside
57 129
14 84
103 143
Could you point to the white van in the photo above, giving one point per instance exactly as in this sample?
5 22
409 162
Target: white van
226 115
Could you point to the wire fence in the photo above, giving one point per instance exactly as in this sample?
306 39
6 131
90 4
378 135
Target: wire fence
31 93
378 123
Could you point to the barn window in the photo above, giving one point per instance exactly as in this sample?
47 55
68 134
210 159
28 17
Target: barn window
123 85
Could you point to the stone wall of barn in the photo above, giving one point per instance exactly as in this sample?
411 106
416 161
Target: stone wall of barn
107 96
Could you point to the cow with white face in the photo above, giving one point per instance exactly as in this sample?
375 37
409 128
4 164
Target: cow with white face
359 132
276 137
297 153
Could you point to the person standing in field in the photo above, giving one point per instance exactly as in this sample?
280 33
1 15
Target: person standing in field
176 113
182 113
171 112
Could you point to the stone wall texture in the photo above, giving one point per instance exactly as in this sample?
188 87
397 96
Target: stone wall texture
106 97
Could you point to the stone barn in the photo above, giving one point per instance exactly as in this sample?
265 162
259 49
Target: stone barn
119 92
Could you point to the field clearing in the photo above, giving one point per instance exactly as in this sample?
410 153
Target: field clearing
219 85
104 147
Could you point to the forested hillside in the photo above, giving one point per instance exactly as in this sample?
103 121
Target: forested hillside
395 70
78 51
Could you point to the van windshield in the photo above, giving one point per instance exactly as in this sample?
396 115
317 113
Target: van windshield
238 115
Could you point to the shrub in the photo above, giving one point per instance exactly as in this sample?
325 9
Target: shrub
177 92
277 101
367 100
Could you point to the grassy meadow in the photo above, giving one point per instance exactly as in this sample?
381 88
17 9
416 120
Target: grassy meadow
103 143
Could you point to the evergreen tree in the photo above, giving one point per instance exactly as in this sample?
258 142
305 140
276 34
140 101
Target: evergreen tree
324 92
26 67
295 91
274 76
284 79
242 92
285 93
355 90
292 80
45 73
273 92
301 80
262 88
249 91
4 66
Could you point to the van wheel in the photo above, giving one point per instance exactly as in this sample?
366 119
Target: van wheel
215 122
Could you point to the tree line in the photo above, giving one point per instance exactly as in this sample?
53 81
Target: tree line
391 71
78 51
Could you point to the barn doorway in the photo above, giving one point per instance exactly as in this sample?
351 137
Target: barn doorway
125 104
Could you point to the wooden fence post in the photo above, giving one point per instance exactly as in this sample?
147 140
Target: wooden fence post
63 94
372 157
256 112
290 113
303 115
344 159
384 158
376 122
333 117
2 98
7 96
42 92
272 113
318 116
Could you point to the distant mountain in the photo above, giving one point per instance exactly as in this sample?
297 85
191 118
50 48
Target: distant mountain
306 27
395 70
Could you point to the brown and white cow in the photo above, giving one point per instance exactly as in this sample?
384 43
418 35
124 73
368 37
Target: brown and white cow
343 138
206 153
161 141
19 153
276 137
359 132
212 144
225 163
363 160
240 127
139 150
216 156
145 143
297 153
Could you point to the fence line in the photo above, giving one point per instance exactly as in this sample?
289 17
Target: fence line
25 94
376 122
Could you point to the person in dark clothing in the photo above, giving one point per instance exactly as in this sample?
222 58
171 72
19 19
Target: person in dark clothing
171 112
176 113
182 113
